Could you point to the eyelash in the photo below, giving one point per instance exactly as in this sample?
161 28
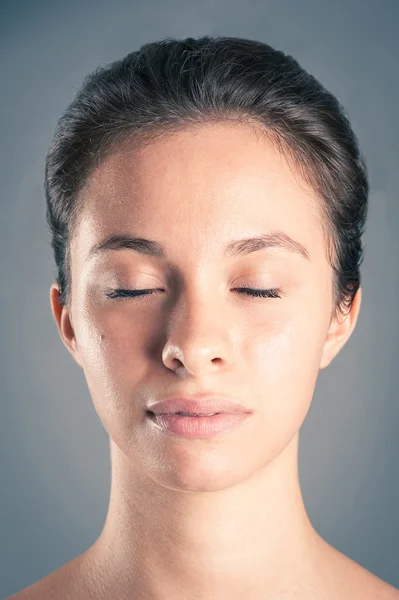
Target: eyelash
123 293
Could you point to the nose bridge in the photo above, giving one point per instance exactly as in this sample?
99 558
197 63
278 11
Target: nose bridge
199 310
198 331
199 288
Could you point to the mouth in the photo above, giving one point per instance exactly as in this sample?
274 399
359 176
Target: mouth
196 425
185 414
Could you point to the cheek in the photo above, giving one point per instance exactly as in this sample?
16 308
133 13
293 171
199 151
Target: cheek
289 350
104 365
285 361
112 346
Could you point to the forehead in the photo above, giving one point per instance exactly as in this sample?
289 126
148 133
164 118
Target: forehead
196 189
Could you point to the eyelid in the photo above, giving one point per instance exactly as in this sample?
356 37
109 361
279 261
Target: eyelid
257 279
246 279
253 292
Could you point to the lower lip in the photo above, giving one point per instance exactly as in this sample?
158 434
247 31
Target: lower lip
198 427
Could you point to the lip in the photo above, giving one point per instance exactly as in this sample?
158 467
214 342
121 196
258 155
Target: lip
197 405
198 427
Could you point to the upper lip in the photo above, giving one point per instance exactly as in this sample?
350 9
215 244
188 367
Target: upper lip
198 405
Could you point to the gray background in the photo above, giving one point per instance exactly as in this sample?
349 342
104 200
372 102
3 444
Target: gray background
54 459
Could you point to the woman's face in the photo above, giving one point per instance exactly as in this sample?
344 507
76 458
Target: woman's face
195 192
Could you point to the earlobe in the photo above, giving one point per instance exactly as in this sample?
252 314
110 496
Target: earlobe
341 329
64 323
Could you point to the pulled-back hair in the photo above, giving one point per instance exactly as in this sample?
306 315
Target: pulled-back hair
172 84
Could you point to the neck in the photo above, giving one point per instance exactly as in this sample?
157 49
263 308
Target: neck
251 539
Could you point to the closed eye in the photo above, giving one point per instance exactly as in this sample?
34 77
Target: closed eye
123 293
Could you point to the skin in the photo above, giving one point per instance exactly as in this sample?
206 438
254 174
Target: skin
221 517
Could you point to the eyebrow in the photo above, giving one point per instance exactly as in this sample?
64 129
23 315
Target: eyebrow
272 239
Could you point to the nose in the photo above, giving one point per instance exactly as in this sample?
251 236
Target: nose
198 341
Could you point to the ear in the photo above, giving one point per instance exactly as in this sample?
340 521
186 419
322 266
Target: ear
63 318
340 330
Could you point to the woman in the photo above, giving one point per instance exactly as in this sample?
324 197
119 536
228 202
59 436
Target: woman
206 200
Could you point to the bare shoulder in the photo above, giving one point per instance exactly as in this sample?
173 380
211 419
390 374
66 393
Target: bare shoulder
355 582
370 587
343 579
39 589
65 583
374 588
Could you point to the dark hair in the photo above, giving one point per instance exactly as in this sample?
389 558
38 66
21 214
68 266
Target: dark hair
171 84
